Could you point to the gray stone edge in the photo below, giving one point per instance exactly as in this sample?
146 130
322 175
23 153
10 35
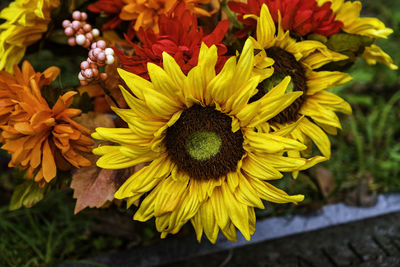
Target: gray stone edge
171 250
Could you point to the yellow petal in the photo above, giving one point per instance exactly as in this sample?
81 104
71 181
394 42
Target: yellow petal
318 113
146 178
374 54
254 165
173 70
320 80
246 194
265 27
170 195
317 135
186 210
273 106
163 83
146 209
269 143
273 194
160 105
135 83
119 135
237 212
219 209
208 220
281 163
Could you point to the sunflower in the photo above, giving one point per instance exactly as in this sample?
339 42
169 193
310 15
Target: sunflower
206 161
25 23
40 139
299 60
348 13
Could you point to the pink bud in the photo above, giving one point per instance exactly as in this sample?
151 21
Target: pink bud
66 23
84 65
87 27
76 25
93 65
84 83
88 73
80 39
91 56
95 32
103 76
76 15
101 44
96 51
101 56
93 46
69 31
89 36
71 41
84 16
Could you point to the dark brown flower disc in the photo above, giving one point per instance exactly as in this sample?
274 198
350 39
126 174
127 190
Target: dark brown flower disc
285 65
202 144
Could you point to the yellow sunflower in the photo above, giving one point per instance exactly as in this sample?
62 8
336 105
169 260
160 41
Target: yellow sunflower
348 12
25 23
206 161
299 60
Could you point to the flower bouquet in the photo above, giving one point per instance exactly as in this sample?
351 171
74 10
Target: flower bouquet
184 110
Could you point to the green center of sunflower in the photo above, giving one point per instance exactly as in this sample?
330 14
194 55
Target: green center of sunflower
285 65
201 143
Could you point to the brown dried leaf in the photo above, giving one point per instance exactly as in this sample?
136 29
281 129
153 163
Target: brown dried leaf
93 186
325 181
362 195
92 120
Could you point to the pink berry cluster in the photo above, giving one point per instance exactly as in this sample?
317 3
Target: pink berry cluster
78 31
99 56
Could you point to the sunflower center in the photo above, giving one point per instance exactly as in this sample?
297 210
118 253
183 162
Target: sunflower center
285 64
201 143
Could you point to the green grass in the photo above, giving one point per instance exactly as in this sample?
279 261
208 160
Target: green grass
44 235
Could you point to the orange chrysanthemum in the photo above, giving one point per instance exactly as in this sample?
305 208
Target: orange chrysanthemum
40 139
146 12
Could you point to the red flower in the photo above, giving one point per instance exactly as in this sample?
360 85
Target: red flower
112 8
180 36
299 16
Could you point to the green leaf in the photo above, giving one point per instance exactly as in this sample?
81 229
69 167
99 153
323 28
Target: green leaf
342 42
317 37
26 194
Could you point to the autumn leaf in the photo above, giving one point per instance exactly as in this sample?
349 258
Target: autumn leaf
92 120
325 181
93 186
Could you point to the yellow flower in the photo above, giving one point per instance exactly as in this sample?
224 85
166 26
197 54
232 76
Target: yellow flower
349 13
26 21
299 60
207 163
